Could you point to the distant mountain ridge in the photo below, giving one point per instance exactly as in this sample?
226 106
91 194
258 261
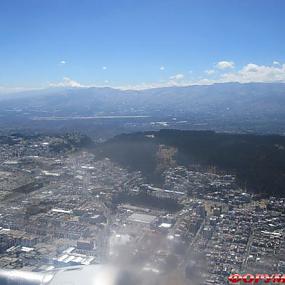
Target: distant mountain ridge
234 97
225 103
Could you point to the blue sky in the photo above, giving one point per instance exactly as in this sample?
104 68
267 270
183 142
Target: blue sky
140 43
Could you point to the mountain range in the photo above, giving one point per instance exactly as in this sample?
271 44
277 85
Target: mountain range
257 106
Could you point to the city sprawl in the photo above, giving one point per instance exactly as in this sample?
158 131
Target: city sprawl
63 206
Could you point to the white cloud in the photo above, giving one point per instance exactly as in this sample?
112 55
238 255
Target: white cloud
174 80
249 73
210 71
177 77
104 67
162 68
275 62
256 73
63 62
225 64
67 82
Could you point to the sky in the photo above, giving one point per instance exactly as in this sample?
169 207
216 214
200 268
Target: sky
140 43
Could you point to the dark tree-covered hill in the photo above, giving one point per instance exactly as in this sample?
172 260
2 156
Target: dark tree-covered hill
258 161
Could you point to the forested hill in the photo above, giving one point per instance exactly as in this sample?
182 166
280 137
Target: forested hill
258 161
